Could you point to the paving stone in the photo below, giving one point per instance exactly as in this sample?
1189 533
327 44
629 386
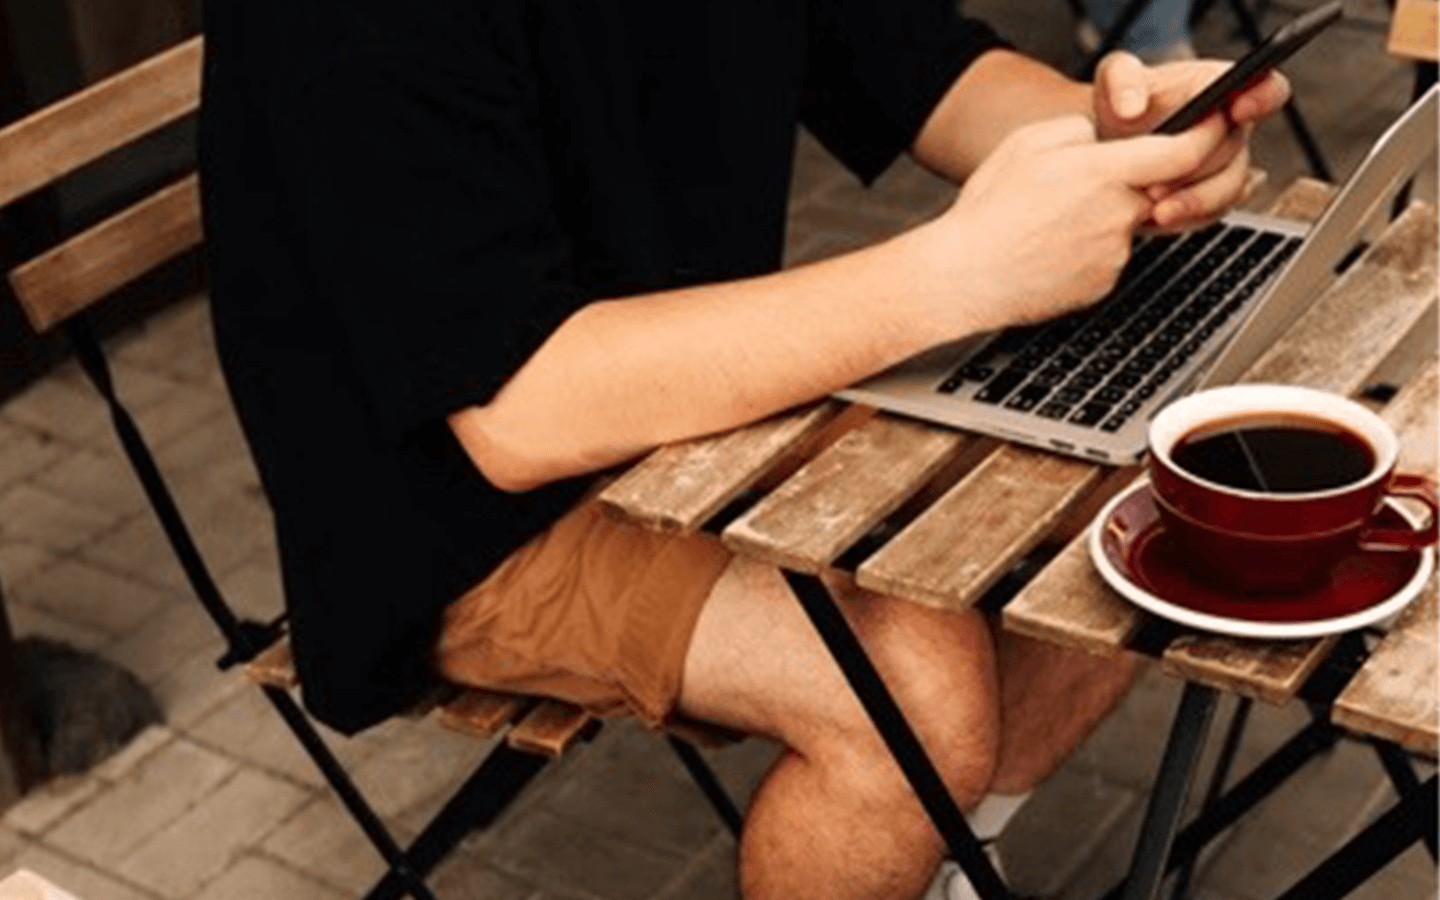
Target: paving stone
46 804
178 342
564 855
93 597
1060 828
61 408
124 815
25 451
639 791
137 547
195 687
178 412
20 560
1410 876
1126 747
253 588
259 878
123 762
246 726
75 877
32 621
199 845
467 877
36 516
324 842
165 641
741 766
418 769
217 441
102 480
712 874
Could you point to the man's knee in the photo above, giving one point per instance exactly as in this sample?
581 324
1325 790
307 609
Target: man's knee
940 668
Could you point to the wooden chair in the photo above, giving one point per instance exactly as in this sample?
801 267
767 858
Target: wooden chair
57 287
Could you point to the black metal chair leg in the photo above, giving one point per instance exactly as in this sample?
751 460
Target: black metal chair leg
929 787
1233 735
709 785
1410 820
1167 799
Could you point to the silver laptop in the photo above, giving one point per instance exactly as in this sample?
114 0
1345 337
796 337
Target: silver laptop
1189 311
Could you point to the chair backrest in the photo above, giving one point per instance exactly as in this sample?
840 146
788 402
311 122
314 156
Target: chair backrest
49 144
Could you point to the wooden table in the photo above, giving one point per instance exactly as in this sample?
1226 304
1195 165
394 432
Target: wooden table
949 519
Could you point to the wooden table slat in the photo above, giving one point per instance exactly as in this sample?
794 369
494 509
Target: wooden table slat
1354 325
1273 671
1393 696
680 486
978 529
841 494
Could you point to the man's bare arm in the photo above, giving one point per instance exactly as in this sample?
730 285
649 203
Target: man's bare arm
623 376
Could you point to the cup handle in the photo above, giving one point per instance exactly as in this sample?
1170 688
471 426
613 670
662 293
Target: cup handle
1416 487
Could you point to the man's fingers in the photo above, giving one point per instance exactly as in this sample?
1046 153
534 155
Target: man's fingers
1205 199
1260 100
1123 85
1157 159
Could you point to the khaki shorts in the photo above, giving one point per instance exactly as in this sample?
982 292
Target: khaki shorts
594 611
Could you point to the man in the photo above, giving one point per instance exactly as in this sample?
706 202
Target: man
467 256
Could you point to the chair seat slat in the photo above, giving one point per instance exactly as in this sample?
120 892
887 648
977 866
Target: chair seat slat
273 667
481 714
551 728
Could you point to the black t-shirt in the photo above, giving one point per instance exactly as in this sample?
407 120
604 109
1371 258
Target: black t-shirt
403 200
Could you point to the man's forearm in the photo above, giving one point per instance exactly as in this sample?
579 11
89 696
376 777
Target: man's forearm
995 95
620 377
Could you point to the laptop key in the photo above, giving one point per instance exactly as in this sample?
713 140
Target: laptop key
1000 386
1054 410
1090 414
1028 397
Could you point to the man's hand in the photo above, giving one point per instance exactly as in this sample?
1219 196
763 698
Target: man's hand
1131 98
1044 226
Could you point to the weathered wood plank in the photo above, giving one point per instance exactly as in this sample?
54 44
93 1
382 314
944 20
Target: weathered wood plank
1413 414
481 714
1395 695
1069 603
88 124
65 279
837 497
981 527
1352 328
273 667
1272 671
680 486
550 728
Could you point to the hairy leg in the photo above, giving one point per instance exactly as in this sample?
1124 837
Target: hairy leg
835 819
1051 698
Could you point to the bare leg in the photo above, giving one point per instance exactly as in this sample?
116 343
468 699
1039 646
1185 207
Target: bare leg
1051 699
835 819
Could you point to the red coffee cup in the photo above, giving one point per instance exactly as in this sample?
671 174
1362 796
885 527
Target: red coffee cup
1272 509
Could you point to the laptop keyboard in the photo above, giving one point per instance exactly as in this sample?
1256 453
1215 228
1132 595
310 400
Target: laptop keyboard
1097 367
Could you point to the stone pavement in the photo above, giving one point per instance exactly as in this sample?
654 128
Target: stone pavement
218 804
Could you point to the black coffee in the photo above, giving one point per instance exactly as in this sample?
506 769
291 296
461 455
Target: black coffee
1291 455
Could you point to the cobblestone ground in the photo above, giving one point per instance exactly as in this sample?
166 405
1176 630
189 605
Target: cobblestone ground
218 804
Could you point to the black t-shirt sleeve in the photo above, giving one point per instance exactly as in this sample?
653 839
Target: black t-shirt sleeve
422 202
877 68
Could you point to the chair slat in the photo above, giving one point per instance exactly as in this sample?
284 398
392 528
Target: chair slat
1394 695
835 498
982 526
86 125
481 714
551 728
1068 603
680 486
273 667
66 279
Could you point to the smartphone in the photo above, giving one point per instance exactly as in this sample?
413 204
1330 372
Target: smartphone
1254 66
